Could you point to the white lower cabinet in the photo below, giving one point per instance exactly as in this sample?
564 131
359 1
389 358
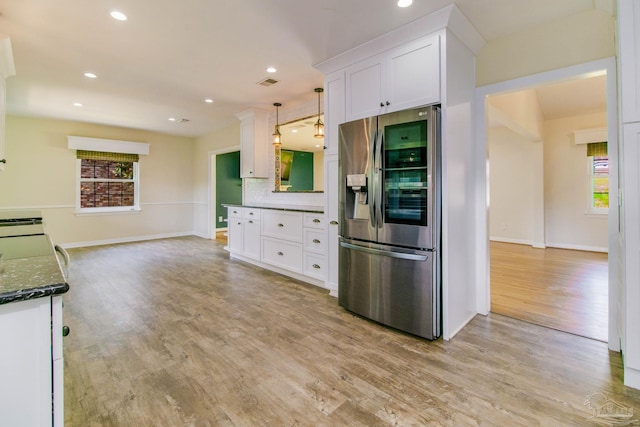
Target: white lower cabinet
31 363
282 253
289 242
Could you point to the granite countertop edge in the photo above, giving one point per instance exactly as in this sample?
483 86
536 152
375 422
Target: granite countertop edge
293 208
33 293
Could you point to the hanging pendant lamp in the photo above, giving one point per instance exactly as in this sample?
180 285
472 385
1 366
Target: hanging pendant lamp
277 136
319 126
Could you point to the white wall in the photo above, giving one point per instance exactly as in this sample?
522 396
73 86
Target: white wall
577 39
568 223
219 140
41 174
512 186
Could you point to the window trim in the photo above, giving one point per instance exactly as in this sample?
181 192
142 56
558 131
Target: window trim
591 209
109 209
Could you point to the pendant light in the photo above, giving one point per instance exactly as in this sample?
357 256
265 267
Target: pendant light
277 136
319 126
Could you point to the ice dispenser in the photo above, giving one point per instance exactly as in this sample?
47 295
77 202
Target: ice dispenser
357 184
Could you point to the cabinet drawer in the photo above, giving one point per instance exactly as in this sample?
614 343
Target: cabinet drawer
315 240
234 212
251 213
282 254
282 225
315 266
314 220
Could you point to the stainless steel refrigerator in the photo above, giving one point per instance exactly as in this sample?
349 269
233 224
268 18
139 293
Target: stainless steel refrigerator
390 231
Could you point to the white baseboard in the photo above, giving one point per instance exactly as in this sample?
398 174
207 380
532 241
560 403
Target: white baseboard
631 377
125 240
549 245
578 247
510 240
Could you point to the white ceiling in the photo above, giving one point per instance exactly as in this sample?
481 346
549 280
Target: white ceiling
170 55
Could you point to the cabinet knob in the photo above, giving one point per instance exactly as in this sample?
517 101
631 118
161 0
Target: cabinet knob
250 221
316 241
388 103
324 147
235 211
3 160
334 223
382 104
65 331
316 266
316 220
251 213
280 253
281 225
239 223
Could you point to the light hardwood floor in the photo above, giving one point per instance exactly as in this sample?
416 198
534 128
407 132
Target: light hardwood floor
557 288
173 333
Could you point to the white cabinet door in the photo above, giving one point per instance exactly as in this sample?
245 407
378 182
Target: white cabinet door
234 235
254 144
334 110
251 235
331 203
414 74
365 94
25 363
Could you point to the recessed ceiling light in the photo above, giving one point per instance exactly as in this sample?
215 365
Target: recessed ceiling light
118 15
90 75
172 119
209 101
271 70
404 3
77 104
294 130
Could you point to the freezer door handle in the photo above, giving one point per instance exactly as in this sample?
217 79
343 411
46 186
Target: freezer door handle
400 255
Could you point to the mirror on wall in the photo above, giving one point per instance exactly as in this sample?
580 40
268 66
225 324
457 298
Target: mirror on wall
301 157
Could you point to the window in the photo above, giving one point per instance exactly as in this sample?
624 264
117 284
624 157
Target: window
598 162
107 182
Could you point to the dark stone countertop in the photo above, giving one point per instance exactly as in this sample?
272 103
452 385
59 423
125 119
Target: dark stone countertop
294 208
30 277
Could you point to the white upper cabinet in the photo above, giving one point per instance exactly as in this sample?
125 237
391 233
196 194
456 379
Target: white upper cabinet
254 144
334 110
401 78
7 69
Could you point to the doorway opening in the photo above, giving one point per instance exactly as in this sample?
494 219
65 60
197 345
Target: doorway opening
550 258
225 187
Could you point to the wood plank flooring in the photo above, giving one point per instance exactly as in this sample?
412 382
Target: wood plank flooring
557 288
173 333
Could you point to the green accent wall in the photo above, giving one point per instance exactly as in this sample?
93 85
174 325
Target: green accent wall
228 184
301 176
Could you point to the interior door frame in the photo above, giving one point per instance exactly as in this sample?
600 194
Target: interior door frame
482 267
211 202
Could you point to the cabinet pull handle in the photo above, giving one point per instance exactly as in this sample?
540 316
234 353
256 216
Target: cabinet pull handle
316 220
3 160
316 266
280 225
250 213
65 331
334 223
316 241
280 253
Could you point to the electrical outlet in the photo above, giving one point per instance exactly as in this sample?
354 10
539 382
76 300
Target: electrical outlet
220 219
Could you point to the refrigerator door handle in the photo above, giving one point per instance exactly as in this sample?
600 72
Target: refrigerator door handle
400 255
378 168
373 221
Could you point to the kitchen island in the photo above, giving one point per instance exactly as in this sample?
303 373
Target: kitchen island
31 358
287 239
